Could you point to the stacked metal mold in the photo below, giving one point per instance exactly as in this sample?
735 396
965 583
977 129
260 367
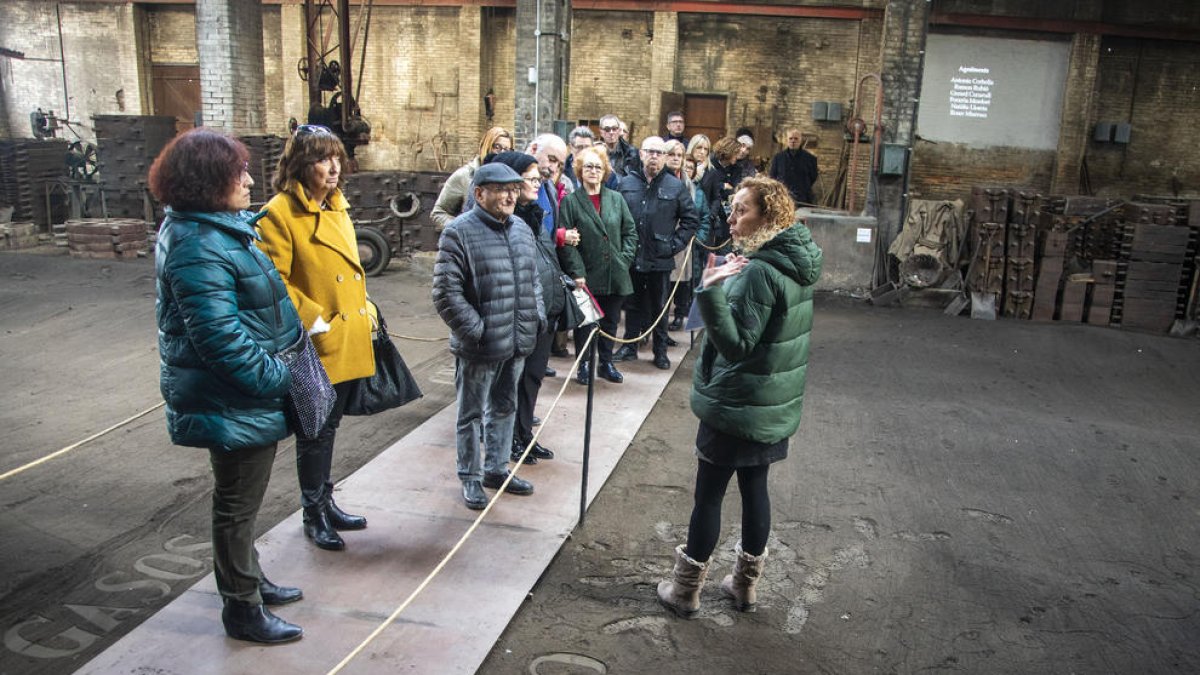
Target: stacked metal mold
1151 288
27 168
391 213
1020 253
265 152
126 147
988 236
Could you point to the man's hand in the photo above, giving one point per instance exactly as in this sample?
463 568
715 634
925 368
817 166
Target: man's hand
571 237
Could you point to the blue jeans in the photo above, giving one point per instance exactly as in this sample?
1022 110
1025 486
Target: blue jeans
487 403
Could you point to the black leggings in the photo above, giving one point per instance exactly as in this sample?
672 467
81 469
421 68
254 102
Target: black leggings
705 527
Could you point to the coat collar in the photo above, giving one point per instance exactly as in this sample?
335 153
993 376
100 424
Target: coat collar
326 226
235 222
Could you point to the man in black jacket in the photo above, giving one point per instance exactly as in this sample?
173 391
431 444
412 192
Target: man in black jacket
796 168
486 288
622 157
666 220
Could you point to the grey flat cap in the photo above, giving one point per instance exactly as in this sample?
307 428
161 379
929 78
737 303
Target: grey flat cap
495 173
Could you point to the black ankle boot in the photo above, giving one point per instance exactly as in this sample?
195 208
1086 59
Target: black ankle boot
273 595
318 528
342 520
255 623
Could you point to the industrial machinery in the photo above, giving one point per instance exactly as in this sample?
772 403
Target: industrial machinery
323 73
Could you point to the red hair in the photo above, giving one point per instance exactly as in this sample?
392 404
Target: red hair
197 170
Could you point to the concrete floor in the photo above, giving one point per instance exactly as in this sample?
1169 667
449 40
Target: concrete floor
962 495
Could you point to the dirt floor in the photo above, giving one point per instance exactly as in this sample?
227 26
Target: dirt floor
984 497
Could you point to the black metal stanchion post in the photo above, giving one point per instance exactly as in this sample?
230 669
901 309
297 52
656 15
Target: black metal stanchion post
587 427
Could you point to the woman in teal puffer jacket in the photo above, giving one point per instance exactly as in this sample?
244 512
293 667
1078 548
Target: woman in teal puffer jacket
748 387
223 313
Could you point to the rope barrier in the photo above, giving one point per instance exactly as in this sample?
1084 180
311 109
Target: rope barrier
118 425
418 339
475 525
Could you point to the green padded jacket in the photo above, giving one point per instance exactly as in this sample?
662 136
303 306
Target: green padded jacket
749 380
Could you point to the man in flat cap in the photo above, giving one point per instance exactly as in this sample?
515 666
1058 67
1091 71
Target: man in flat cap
486 288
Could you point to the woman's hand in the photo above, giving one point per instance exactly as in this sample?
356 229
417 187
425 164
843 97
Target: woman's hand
571 238
319 326
580 282
715 274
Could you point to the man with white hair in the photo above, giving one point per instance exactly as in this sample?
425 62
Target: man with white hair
551 154
666 220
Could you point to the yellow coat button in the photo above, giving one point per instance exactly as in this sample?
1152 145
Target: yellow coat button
357 276
344 317
339 278
363 311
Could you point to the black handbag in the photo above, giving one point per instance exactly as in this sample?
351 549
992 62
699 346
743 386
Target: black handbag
310 397
571 317
391 386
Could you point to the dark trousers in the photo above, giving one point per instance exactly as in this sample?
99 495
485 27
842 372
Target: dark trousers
530 384
683 300
611 306
704 529
314 457
650 291
239 482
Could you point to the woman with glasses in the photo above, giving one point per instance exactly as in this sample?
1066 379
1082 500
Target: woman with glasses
223 315
453 197
601 260
307 231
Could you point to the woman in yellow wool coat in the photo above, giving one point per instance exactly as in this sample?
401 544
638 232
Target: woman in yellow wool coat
308 234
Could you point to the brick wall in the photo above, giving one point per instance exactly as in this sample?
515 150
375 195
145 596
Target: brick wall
171 34
230 46
1154 86
497 54
276 70
611 60
91 34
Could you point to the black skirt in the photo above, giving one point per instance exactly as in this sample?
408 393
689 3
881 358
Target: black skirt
722 449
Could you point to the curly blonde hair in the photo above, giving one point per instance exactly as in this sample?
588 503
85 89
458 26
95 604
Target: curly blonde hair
775 204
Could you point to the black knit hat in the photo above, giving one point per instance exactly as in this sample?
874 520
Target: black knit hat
519 161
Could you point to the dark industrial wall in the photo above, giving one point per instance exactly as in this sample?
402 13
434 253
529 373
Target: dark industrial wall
1155 87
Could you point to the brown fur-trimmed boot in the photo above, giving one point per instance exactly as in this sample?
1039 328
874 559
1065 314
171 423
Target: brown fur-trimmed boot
682 595
740 585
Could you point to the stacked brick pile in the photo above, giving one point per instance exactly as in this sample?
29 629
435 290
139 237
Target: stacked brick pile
120 238
18 235
264 158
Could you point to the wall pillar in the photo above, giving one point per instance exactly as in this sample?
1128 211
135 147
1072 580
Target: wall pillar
540 103
665 50
1077 109
901 64
470 88
229 40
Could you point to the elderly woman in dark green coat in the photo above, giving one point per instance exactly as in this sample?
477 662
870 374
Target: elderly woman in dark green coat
607 244
748 386
223 316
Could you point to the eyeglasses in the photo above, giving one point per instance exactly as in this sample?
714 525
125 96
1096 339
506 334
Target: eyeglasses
593 167
316 129
610 128
504 189
500 147
533 181
653 153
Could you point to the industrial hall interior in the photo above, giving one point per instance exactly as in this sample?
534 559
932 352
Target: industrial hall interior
991 318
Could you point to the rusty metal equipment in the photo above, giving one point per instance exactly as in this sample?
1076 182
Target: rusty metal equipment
391 214
857 126
342 113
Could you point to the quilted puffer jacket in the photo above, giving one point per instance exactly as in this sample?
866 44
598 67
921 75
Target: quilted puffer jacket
749 380
486 287
223 313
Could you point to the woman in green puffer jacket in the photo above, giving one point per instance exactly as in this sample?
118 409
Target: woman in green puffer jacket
223 314
748 387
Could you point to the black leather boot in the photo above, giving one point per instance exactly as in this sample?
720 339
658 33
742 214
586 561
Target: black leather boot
273 595
342 520
318 528
255 623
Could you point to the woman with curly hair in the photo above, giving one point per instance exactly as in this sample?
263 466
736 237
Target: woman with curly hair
223 316
454 192
748 385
